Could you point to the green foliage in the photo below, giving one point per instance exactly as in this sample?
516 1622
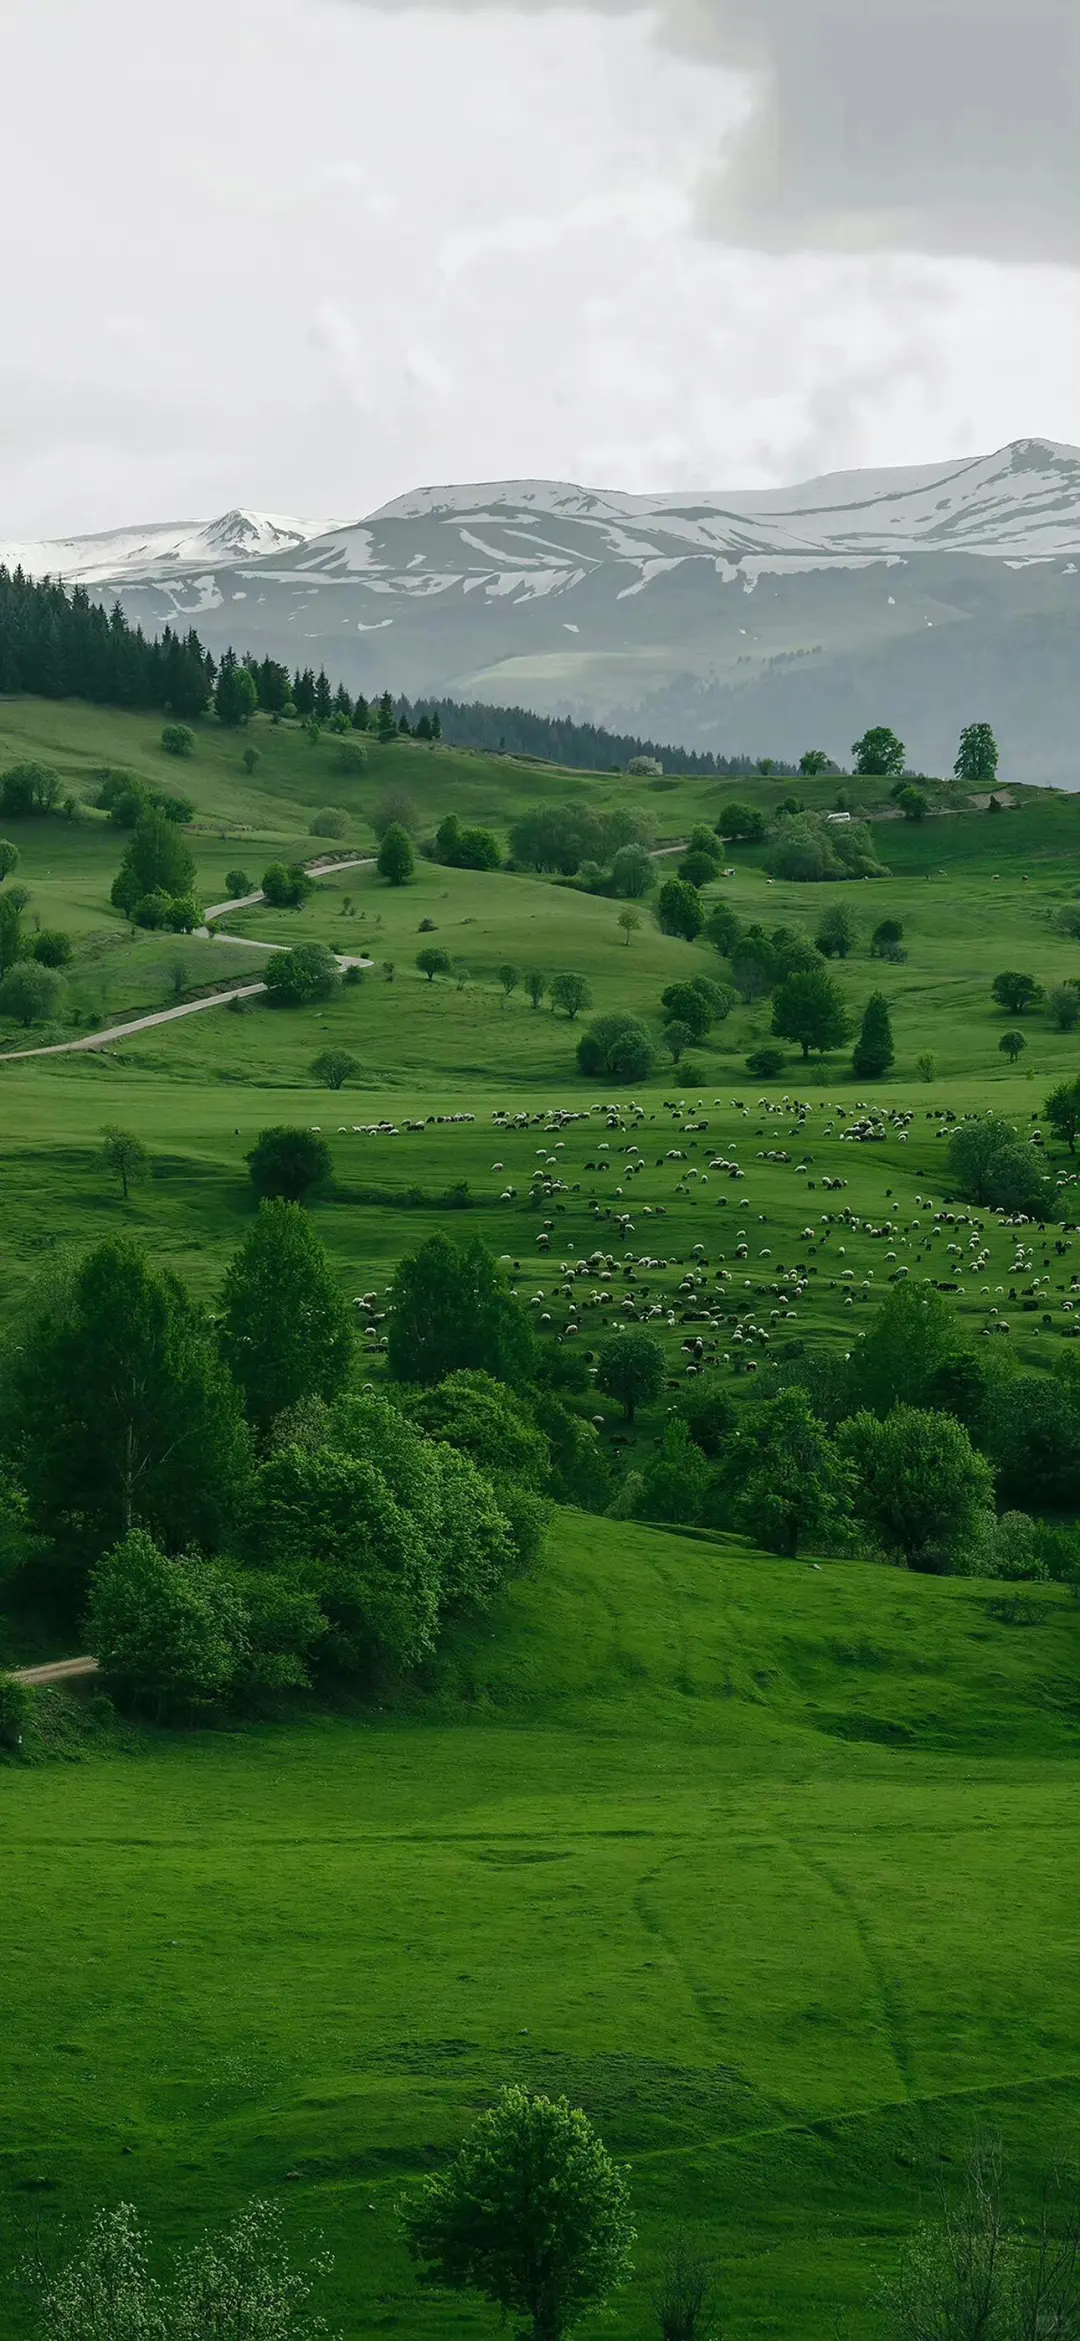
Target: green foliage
285 1328
396 860
15 1710
1012 1045
990 1164
1016 993
789 1484
237 884
395 809
809 850
977 760
767 1062
51 947
1063 1002
466 849
838 933
615 1048
334 1067
486 1421
288 1165
295 978
29 789
178 739
532 2212
571 993
920 1488
168 1633
887 940
814 763
913 802
1030 1429
535 985
709 1414
125 1157
874 1052
331 822
879 755
676 1479
9 858
680 910
431 961
809 1009
689 1006
698 869
451 1309
677 1037
723 929
351 756
1062 1111
123 1413
740 824
327 1521
241 2282
910 1340
630 1369
29 992
236 695
157 861
287 888
633 872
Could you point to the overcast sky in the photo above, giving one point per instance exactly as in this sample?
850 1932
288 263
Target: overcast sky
306 254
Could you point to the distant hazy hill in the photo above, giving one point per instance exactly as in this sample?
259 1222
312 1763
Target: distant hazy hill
764 622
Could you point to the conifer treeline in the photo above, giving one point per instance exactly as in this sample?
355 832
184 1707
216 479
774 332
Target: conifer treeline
57 643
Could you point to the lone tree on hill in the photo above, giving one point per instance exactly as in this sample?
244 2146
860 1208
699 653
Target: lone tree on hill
396 862
125 1156
431 961
1016 993
631 1370
874 1051
809 1009
629 921
1012 1045
814 763
334 1067
289 1163
879 755
571 993
977 760
532 2212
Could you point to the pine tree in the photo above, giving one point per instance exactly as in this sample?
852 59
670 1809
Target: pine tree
874 1053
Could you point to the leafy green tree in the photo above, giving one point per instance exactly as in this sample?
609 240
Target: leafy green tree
168 1633
680 910
51 947
698 869
571 993
718 998
124 1414
236 693
629 922
874 1052
709 1413
689 1006
158 860
977 760
810 1010
767 1062
241 2282
993 1168
887 939
676 1479
237 884
677 1039
395 809
1030 1429
914 803
615 1048
432 962
805 852
331 822
630 1369
723 930
285 1328
485 1420
509 977
287 1165
814 763
396 860
287 888
926 1065
633 872
920 1487
838 933
1012 1045
124 1156
9 858
334 1067
27 789
790 1485
1016 993
740 824
295 978
29 992
1062 1111
535 985
1064 1005
450 1309
178 739
532 2212
879 755
250 761
912 1337
328 1521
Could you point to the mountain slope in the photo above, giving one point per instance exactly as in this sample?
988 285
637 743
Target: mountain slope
764 620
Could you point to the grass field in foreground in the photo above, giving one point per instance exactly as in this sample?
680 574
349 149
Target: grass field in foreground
767 1867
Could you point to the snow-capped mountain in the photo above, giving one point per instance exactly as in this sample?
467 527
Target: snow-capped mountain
766 620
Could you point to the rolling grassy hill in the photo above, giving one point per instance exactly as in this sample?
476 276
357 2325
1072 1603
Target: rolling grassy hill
761 1864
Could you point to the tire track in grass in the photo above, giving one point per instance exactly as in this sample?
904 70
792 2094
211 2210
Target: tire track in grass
887 1994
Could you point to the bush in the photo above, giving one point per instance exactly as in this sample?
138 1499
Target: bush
168 1634
9 858
28 789
432 962
334 1067
287 889
766 1063
396 860
29 992
289 1164
698 869
15 1704
331 822
680 910
633 872
152 910
238 883
178 739
295 978
615 1048
51 947
644 768
741 825
994 1169
351 757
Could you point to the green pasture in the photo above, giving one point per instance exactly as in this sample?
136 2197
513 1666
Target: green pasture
764 1865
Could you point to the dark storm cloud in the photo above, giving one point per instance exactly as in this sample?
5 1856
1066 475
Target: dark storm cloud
923 125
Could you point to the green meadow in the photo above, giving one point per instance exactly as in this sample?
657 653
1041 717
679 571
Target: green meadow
766 1865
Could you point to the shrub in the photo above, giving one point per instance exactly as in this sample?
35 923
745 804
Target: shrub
152 910
396 860
15 1704
9 858
633 872
686 1004
698 869
886 939
238 883
644 768
51 947
289 1164
168 1634
27 789
741 825
334 1067
287 889
296 978
351 757
178 739
331 822
680 910
29 992
432 962
994 1169
1064 1005
766 1063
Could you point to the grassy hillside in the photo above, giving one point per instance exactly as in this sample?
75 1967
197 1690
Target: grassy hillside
762 1864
